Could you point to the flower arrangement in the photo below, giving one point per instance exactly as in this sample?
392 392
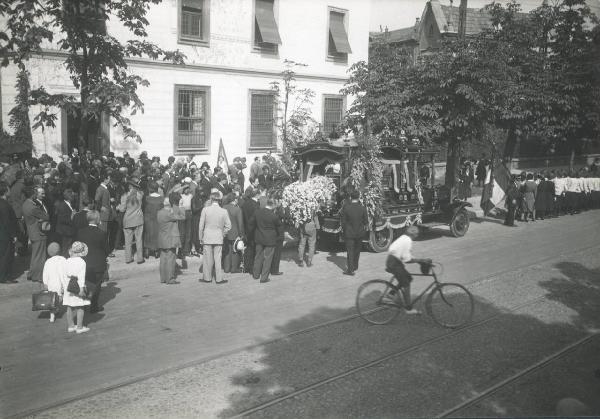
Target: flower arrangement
367 175
303 199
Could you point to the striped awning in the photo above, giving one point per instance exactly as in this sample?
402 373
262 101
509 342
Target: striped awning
265 20
338 33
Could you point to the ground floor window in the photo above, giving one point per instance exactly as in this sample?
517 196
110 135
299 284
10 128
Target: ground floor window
192 117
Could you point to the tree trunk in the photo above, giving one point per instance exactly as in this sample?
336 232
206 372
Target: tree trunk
572 159
452 165
509 146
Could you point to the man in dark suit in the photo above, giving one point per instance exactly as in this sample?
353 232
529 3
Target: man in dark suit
35 212
231 259
267 228
95 261
168 236
63 221
248 209
355 222
8 234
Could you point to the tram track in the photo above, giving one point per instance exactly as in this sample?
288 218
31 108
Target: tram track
405 351
310 329
481 396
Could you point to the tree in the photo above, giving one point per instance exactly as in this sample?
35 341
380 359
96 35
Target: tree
95 60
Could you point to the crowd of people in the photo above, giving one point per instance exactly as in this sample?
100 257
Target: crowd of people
51 209
532 197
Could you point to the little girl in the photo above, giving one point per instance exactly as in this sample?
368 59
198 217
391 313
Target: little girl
75 267
54 274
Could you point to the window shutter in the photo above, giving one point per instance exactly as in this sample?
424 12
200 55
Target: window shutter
337 30
265 20
262 132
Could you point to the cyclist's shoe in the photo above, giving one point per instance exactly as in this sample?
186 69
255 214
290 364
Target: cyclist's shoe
413 311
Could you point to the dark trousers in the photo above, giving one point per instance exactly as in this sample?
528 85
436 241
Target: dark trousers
509 220
118 235
96 278
262 261
276 256
38 258
65 245
231 258
185 231
7 257
249 254
558 205
195 239
353 248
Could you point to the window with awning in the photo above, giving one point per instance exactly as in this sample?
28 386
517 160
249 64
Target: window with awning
193 20
267 31
339 46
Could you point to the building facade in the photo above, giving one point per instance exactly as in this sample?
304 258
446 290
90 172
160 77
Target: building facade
235 49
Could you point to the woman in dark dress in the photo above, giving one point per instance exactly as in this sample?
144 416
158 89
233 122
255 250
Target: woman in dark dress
513 196
154 203
466 178
529 193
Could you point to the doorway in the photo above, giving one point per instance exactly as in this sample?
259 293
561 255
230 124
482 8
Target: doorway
98 138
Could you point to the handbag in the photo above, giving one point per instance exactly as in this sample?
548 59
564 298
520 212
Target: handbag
73 286
44 300
45 226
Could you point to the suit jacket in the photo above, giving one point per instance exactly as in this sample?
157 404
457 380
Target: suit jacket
80 220
34 212
237 221
8 221
16 197
95 239
248 209
63 219
214 224
268 227
168 231
355 220
102 199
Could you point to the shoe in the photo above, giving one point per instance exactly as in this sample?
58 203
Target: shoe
413 311
348 273
173 283
29 278
140 262
276 273
221 282
129 261
206 281
308 264
262 281
111 255
82 330
71 329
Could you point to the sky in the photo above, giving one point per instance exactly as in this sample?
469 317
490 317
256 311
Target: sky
396 14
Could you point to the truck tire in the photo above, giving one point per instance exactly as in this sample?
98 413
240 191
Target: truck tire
379 241
460 223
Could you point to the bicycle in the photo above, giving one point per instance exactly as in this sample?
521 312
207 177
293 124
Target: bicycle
449 304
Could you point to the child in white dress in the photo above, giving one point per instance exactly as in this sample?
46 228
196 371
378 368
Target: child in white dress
75 267
54 274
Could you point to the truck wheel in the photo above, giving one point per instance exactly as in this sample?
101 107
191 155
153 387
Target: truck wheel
460 223
379 241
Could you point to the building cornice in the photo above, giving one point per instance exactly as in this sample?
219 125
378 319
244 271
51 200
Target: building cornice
145 62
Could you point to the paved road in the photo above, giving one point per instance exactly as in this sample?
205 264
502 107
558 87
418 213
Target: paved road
202 347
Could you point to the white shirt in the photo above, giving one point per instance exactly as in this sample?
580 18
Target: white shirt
401 247
54 273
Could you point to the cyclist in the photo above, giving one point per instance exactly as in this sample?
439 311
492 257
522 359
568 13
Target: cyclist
398 255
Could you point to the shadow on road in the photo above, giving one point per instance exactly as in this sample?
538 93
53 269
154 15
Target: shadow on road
426 379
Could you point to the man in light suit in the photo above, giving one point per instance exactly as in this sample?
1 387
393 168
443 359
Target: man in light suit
213 227
168 236
35 211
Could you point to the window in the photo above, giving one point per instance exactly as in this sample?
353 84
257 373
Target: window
334 108
192 118
88 14
266 32
193 21
338 46
262 120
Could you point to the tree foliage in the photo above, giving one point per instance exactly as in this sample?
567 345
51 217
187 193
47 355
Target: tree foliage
95 60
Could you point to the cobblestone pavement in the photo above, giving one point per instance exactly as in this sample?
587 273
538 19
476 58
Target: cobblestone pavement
202 350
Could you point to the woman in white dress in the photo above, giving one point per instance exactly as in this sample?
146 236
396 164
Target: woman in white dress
75 266
54 274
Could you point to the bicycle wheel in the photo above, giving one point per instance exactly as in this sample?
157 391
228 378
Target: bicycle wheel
450 305
375 301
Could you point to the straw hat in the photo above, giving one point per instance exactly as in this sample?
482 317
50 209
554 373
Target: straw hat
239 245
78 249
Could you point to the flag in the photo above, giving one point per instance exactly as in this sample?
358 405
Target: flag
496 185
222 158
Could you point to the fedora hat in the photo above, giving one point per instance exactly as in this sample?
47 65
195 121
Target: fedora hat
78 249
238 245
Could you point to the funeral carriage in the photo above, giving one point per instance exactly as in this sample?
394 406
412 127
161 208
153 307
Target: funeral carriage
410 195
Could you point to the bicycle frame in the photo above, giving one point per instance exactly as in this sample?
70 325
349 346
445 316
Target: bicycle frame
434 283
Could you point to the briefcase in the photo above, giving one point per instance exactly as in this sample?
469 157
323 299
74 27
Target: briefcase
44 300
